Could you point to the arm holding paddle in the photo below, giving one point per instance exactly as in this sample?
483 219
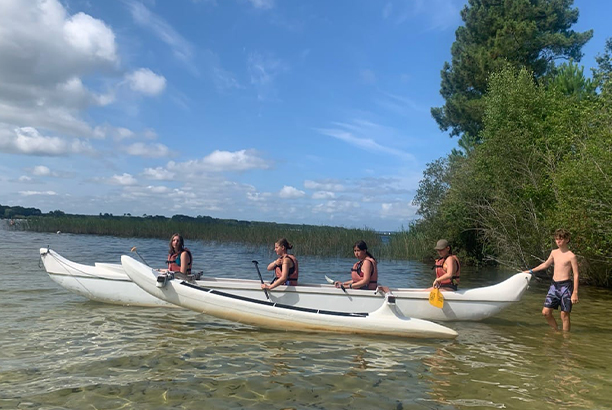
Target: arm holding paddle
366 270
285 267
284 264
451 269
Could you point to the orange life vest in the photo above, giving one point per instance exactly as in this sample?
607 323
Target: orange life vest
439 267
292 278
357 274
174 261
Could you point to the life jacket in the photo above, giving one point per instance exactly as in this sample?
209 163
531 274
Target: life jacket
357 274
174 261
439 267
292 277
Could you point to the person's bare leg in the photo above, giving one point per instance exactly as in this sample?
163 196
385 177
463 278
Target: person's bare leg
565 318
547 312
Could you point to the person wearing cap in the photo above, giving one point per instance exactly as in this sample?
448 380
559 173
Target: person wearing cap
447 267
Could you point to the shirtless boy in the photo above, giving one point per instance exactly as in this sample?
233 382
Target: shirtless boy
563 292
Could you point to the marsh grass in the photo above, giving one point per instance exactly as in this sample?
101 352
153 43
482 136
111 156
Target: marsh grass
410 244
307 239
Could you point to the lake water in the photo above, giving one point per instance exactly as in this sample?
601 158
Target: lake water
61 351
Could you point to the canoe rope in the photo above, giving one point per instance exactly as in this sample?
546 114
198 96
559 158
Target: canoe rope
272 304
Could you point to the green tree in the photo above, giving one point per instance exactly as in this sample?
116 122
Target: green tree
603 73
570 80
522 33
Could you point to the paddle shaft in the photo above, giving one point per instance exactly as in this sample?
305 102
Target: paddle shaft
333 281
261 278
134 250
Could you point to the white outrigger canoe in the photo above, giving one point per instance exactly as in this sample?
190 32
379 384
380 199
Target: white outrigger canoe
386 320
109 283
102 282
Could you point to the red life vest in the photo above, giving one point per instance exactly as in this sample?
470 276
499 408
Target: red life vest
439 267
357 274
176 257
292 277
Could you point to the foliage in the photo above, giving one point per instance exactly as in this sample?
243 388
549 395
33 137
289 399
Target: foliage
570 80
603 73
521 33
17 211
544 162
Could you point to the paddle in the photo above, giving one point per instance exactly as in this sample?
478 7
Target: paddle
330 280
436 298
261 279
134 250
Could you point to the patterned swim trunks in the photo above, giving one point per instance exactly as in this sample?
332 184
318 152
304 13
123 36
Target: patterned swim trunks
560 294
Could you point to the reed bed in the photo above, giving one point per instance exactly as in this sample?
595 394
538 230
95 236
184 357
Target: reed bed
307 239
410 244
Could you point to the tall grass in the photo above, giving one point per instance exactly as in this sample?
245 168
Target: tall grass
410 244
307 239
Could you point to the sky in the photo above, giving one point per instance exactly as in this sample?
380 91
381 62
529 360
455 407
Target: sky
305 112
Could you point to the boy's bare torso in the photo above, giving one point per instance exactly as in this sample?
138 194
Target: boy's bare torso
562 261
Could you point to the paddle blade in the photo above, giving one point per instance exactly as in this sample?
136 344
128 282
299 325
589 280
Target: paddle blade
436 298
328 279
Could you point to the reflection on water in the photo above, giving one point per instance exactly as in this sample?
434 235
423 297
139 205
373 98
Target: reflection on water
62 351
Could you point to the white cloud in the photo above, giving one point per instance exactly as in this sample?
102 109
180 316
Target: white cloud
258 197
123 133
291 192
398 210
158 174
219 161
262 4
146 82
25 179
162 29
41 171
323 195
263 71
158 189
358 133
334 207
140 149
91 37
399 104
32 193
326 185
45 54
125 180
441 14
28 141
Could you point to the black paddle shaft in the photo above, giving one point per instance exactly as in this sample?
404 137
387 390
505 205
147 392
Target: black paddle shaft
261 278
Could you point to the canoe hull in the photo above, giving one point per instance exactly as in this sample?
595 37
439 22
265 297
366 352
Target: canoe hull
195 296
109 283
464 305
106 283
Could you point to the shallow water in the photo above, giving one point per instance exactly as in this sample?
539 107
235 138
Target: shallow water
60 351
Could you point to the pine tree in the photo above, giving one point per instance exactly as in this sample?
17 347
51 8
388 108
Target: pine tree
522 33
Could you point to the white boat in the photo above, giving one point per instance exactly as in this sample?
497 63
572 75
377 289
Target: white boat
386 320
102 282
466 304
463 305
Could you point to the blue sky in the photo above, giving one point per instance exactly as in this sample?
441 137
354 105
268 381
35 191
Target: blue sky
310 112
